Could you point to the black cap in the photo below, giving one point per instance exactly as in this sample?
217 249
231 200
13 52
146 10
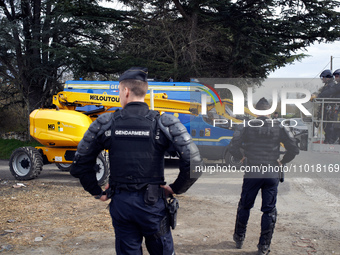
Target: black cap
135 73
262 104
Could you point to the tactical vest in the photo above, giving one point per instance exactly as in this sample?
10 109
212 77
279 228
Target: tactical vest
133 155
262 143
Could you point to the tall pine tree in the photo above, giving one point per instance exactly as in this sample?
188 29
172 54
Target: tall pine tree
194 38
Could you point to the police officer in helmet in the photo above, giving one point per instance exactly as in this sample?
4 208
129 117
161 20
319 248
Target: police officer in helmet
261 144
137 139
329 90
327 79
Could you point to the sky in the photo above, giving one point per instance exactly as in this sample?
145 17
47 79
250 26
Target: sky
312 66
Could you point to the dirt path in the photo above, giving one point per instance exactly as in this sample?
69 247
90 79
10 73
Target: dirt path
55 216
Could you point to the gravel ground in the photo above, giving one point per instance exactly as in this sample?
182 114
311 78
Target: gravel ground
53 215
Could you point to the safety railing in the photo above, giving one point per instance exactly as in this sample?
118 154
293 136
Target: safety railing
324 125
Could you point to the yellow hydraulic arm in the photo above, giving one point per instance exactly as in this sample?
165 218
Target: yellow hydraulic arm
71 100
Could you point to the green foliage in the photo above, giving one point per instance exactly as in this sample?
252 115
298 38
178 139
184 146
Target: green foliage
8 146
40 40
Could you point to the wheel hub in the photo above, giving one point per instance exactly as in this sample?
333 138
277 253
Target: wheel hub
25 163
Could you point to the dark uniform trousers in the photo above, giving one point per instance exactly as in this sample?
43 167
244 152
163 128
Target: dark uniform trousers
252 184
250 189
132 219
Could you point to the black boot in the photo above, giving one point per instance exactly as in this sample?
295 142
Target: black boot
263 249
240 228
238 240
268 220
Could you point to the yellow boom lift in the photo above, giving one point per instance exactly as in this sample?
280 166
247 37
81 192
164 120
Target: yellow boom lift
60 130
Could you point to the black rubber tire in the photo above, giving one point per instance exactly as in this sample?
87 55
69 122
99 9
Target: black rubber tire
26 163
64 167
102 168
230 160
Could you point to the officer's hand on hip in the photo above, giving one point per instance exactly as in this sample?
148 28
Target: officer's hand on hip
167 190
103 196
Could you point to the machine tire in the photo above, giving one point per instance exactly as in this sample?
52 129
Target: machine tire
26 163
64 167
230 160
102 168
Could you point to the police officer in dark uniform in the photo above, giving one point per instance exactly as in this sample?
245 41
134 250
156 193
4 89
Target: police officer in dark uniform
328 81
331 111
328 91
137 139
261 143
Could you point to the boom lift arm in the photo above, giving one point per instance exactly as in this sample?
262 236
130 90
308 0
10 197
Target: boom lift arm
70 100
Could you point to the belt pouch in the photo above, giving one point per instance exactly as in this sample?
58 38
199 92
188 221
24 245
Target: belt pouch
151 194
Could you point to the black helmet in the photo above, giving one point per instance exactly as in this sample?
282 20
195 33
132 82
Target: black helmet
326 74
337 71
262 104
